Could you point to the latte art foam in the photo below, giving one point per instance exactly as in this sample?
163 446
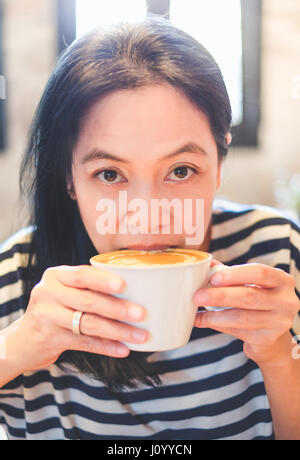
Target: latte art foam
134 258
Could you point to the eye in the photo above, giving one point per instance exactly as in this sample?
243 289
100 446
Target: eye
181 173
109 176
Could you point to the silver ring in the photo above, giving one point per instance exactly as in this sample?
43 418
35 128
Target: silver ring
76 322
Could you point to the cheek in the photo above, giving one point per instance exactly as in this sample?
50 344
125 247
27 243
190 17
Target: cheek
88 213
204 187
207 190
87 198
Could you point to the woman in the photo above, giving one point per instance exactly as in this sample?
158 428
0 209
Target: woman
142 108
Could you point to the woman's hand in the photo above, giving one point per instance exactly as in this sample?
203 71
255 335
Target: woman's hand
38 338
265 305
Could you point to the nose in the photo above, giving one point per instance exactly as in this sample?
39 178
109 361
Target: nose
146 211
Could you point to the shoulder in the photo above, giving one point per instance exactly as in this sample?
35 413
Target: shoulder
14 254
224 210
256 233
259 221
14 250
22 236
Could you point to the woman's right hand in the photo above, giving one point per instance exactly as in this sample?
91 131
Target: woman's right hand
37 339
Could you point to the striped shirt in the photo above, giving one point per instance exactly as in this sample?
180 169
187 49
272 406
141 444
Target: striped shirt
210 389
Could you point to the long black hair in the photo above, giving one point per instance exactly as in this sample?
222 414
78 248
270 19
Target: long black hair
124 56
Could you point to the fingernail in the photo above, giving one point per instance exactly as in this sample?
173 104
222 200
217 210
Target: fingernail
121 349
115 284
139 335
135 313
216 279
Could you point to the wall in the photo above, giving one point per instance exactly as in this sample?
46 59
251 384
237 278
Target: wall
30 46
249 173
29 55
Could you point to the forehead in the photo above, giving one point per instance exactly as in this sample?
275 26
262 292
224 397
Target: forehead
152 119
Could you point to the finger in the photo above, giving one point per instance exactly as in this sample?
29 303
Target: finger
215 262
236 319
97 326
246 335
252 273
101 304
95 345
88 277
247 297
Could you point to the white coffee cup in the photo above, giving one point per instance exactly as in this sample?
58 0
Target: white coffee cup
166 292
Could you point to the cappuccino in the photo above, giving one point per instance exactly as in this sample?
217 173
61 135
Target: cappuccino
134 258
163 282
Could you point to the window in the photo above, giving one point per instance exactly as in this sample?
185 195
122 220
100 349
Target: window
92 13
229 29
223 42
2 87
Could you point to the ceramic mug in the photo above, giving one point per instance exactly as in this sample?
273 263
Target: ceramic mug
166 292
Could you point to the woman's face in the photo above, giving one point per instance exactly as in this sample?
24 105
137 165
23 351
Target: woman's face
152 144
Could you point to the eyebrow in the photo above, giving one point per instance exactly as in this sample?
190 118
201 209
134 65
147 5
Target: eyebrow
99 154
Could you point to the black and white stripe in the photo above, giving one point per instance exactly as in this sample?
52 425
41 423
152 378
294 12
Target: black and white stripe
210 389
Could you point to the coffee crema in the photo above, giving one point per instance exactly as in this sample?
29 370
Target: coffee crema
134 258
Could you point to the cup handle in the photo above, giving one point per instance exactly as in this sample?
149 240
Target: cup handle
212 271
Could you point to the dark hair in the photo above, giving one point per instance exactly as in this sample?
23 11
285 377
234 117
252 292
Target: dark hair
124 56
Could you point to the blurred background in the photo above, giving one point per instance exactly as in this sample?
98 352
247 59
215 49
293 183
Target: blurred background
255 42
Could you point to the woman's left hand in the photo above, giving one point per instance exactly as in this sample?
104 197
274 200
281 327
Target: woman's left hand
265 305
